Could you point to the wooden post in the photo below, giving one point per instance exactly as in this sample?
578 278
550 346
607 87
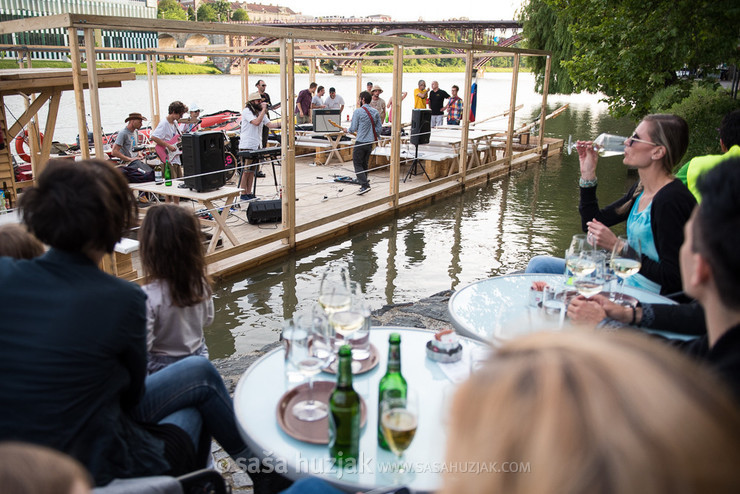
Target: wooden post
92 81
155 88
287 142
245 81
150 86
359 80
74 49
512 109
545 90
395 171
51 121
463 163
311 70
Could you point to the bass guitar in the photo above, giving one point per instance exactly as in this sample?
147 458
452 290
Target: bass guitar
164 154
340 127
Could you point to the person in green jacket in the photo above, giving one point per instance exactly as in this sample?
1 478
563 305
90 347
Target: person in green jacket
729 142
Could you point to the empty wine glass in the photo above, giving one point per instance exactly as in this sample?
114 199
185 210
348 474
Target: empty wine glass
589 273
334 291
604 144
626 261
399 420
311 352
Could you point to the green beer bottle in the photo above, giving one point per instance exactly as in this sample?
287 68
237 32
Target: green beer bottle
392 384
344 413
167 173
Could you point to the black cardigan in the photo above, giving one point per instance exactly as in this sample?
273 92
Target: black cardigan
671 207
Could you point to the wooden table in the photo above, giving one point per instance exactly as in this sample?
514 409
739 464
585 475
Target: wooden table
453 138
228 194
334 138
263 384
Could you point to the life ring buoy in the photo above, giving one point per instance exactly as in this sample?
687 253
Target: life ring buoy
20 140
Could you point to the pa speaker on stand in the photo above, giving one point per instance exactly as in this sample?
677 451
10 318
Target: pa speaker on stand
421 128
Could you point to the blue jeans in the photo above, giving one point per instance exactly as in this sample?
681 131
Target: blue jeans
191 394
546 264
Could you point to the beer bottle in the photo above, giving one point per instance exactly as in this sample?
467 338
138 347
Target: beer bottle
158 179
167 173
392 384
344 413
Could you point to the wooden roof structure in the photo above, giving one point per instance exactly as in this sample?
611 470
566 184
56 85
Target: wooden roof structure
293 44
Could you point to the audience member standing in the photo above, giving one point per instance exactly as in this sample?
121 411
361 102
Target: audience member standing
437 99
334 101
421 95
454 108
378 103
303 104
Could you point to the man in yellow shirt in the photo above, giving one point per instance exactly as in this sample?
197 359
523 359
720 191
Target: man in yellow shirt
420 95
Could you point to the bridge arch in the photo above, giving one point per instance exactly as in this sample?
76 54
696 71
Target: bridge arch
167 41
196 40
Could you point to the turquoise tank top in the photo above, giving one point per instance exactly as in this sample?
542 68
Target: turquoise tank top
638 227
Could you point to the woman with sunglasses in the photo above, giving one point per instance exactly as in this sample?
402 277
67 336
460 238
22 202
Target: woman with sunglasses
655 208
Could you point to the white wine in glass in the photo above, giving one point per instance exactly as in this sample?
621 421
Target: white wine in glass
334 291
626 260
589 273
399 420
606 145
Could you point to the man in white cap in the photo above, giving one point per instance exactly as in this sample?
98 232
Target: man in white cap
378 103
254 119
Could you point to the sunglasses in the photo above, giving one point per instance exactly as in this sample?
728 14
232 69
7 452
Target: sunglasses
631 140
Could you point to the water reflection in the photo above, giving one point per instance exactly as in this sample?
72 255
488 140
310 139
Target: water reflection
484 232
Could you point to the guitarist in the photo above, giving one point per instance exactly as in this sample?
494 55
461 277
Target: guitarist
254 119
367 125
167 136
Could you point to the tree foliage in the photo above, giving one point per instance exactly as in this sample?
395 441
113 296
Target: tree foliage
171 9
222 9
630 49
240 15
206 13
544 29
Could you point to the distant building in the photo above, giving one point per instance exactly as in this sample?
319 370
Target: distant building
20 9
266 13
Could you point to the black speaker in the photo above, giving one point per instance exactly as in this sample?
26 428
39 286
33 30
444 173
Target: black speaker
421 125
202 155
265 211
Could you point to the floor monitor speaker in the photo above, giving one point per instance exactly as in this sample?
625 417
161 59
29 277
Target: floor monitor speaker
421 126
265 211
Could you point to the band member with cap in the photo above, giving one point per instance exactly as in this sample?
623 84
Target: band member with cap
192 123
254 119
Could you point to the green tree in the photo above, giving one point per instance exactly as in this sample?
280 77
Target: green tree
544 29
191 14
630 49
206 13
240 15
171 9
223 10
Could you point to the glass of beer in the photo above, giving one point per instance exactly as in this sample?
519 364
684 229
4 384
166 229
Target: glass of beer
399 421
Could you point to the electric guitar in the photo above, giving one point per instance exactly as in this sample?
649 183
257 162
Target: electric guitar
164 154
340 127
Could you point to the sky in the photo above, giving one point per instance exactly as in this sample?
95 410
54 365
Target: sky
408 10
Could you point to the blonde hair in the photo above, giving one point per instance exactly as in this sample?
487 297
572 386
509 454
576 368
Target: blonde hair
32 469
17 242
590 413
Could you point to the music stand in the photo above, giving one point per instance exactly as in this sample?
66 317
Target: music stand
412 168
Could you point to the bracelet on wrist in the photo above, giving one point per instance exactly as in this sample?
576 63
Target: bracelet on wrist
587 183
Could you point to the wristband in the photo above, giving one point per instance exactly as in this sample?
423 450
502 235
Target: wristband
588 183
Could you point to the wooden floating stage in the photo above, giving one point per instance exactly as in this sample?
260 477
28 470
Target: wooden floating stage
342 213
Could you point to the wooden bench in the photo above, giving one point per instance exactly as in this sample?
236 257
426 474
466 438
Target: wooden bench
320 147
436 160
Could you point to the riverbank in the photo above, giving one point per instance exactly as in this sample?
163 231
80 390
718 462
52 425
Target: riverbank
430 312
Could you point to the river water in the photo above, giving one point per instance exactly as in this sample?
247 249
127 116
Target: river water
485 232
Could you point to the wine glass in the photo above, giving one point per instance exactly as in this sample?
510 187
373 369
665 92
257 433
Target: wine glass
399 419
605 144
578 245
589 273
352 325
626 260
334 291
311 352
